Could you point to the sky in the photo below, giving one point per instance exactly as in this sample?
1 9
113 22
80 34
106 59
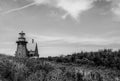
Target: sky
60 27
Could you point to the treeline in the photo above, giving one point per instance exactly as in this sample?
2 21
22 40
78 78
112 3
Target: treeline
106 57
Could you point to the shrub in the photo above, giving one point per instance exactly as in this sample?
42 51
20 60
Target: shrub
37 76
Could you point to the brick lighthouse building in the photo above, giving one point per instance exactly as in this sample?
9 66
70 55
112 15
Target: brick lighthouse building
22 51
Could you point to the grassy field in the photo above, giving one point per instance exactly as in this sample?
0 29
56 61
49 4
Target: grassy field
19 69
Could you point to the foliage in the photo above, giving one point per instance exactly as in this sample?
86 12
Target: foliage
106 57
103 65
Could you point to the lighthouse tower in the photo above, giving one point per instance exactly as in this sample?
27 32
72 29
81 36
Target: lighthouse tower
22 51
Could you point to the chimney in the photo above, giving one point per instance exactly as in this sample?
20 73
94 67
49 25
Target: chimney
32 40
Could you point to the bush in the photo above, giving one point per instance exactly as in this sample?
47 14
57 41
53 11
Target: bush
37 76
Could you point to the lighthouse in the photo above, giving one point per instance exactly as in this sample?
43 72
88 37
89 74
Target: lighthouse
21 46
22 51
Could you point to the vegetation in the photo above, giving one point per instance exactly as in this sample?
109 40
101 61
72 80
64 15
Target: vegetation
103 65
106 58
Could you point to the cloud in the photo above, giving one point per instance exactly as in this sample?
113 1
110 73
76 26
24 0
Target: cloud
73 8
43 38
115 8
76 40
17 9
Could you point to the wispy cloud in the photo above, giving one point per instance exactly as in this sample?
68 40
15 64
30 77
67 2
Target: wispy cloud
17 9
73 8
115 8
77 40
